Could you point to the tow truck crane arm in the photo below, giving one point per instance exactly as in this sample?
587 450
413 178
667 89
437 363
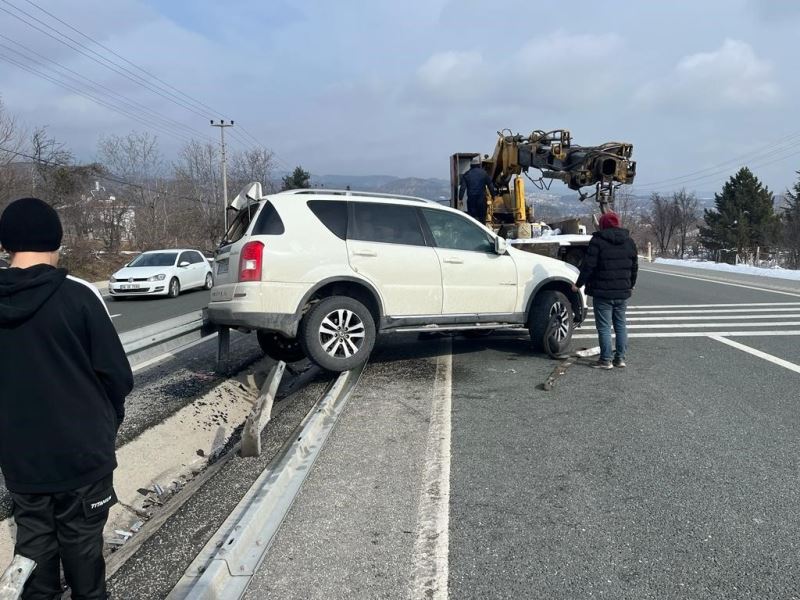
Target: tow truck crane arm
554 156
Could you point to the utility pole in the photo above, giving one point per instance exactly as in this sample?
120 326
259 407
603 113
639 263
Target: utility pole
222 125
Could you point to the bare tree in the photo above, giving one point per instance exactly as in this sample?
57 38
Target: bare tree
198 178
137 161
663 221
256 164
12 143
687 215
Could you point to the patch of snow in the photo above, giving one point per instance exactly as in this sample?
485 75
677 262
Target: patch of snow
776 272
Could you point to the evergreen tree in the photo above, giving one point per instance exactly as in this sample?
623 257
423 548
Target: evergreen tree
791 224
743 218
297 180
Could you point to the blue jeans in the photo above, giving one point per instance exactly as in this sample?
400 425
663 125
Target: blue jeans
607 312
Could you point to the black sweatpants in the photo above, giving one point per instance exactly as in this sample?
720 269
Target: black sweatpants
65 527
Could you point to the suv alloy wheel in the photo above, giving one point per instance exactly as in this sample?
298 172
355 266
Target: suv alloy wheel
547 305
338 333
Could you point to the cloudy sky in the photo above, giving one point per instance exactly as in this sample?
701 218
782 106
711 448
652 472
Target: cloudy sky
354 87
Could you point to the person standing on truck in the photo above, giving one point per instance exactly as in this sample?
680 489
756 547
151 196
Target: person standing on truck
474 184
609 272
64 377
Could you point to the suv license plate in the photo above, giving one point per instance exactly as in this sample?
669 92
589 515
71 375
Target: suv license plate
222 266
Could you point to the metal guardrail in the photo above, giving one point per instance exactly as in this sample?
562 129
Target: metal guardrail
152 341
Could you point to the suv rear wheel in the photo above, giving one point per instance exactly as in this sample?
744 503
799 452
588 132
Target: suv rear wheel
548 305
279 347
338 333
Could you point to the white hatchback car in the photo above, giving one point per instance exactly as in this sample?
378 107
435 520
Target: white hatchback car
162 273
321 273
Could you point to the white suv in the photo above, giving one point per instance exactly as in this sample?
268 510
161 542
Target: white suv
321 273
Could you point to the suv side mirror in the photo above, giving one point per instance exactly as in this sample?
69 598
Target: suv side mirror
500 245
185 263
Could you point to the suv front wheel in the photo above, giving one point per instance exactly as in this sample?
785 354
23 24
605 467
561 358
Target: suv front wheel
338 334
551 305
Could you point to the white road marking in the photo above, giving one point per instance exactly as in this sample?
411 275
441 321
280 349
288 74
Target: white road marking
696 325
632 307
740 285
432 546
119 315
705 318
719 311
686 334
769 357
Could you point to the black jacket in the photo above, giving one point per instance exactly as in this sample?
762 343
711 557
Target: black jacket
610 266
474 182
63 382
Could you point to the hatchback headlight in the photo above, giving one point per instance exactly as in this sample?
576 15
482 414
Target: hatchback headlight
112 279
160 277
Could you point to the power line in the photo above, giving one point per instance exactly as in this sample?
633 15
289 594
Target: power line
100 88
135 66
88 96
112 66
788 142
190 104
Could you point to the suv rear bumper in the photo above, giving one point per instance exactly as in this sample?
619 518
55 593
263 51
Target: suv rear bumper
230 317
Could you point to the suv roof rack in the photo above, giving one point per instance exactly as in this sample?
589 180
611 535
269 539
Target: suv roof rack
323 191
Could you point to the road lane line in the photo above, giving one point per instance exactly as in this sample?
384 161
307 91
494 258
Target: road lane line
705 318
769 357
701 325
432 546
113 316
734 305
721 311
686 334
749 287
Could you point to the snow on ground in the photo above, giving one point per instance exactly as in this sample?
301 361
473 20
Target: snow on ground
776 272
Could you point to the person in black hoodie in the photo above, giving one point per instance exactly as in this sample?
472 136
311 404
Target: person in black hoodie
609 273
64 377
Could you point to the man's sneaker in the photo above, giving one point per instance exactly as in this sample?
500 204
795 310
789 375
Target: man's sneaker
603 364
619 363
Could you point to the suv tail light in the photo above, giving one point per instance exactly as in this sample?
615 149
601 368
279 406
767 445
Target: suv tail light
251 261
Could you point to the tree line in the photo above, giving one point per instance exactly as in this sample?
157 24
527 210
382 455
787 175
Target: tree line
131 197
744 224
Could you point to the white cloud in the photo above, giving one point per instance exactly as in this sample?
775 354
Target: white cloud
555 70
453 76
731 77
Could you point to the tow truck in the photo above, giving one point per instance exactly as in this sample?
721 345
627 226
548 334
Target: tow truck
542 157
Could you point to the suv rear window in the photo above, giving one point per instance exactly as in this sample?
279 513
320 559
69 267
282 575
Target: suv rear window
240 224
269 221
333 215
387 223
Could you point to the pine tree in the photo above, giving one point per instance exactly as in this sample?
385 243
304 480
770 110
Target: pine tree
297 180
791 224
743 218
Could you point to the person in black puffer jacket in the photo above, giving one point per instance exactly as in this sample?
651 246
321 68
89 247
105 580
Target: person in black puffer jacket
609 273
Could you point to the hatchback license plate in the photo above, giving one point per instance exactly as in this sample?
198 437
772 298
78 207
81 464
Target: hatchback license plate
129 286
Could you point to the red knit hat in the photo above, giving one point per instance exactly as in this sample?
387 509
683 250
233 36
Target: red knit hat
609 219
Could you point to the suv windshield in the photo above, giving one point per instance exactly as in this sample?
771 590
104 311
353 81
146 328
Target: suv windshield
156 259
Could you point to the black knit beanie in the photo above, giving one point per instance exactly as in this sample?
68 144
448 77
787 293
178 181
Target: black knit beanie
30 225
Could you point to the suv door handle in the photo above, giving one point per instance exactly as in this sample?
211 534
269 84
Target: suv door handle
453 261
369 253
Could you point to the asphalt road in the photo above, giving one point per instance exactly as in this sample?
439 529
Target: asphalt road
133 313
674 478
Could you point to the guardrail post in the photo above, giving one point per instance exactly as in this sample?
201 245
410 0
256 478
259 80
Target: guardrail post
223 349
649 252
262 412
15 576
